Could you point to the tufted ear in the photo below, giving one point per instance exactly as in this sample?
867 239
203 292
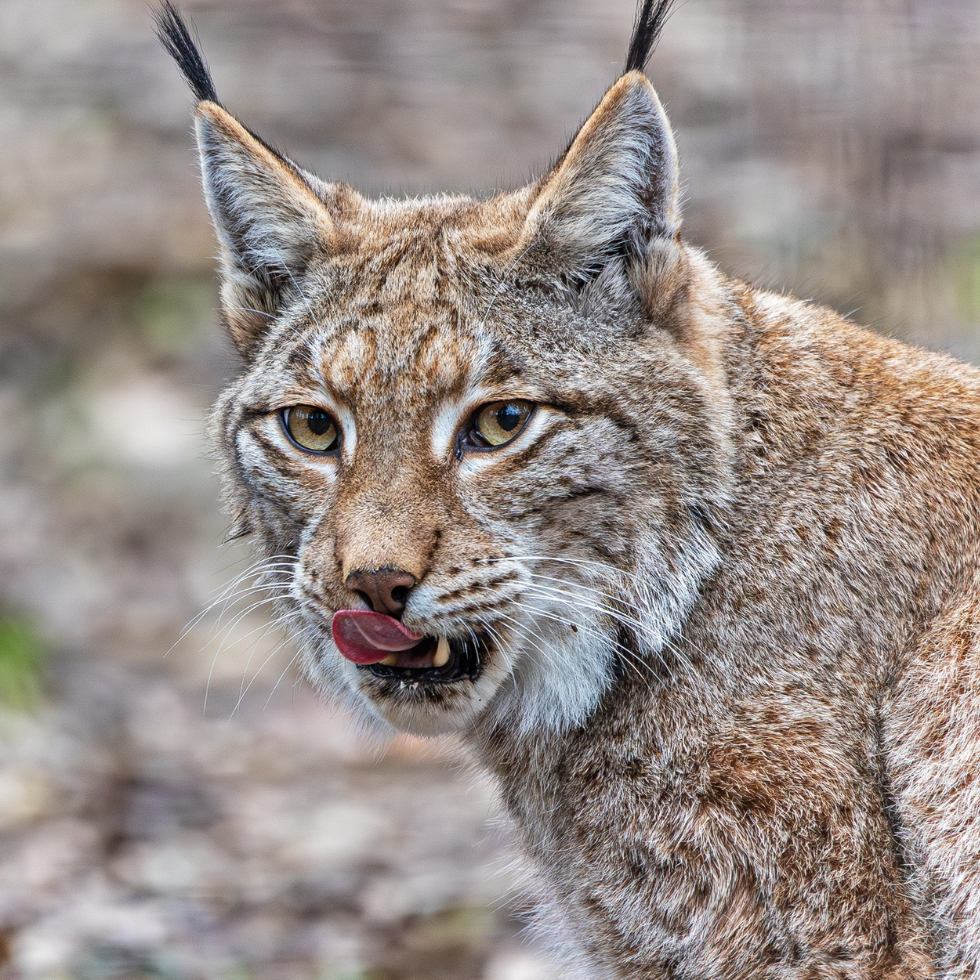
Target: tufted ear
612 197
270 220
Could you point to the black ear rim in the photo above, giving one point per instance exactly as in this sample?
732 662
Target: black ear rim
176 38
651 15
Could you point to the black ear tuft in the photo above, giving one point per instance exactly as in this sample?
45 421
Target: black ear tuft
176 38
651 16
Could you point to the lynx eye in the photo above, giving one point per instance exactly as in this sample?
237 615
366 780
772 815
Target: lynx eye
499 422
310 428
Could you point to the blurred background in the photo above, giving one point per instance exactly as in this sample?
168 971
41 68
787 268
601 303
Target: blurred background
829 148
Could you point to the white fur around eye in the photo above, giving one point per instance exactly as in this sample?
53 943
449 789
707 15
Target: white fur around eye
445 425
348 431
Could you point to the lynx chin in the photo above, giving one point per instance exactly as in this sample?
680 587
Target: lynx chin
692 567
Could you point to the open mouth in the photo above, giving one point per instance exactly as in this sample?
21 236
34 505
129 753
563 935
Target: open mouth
389 649
435 658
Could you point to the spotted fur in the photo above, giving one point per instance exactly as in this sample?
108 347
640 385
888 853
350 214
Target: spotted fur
721 589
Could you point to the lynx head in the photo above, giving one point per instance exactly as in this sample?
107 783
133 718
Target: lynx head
483 443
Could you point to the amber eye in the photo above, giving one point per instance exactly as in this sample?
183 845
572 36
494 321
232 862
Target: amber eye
310 428
499 422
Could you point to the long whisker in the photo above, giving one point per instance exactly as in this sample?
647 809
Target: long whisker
229 593
604 608
507 654
619 578
602 567
556 595
223 644
276 622
275 651
271 590
633 661
275 686
601 604
607 604
534 638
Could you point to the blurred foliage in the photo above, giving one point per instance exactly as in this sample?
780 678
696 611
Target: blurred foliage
966 280
21 664
348 975
168 313
239 971
449 926
106 962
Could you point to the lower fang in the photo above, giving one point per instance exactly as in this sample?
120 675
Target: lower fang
390 661
441 656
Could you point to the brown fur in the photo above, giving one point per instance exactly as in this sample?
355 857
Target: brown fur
723 585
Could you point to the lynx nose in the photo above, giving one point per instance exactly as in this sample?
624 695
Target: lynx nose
386 589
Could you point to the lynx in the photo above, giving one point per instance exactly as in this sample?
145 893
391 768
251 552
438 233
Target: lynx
690 566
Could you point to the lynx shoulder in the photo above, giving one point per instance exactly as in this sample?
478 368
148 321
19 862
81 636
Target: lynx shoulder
691 566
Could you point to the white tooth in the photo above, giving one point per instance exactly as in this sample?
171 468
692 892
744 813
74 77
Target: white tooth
441 656
390 661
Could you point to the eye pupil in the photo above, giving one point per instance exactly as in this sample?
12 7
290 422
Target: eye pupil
509 417
319 423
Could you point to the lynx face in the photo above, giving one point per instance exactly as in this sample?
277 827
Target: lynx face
476 440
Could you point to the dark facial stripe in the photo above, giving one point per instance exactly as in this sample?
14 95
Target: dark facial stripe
283 460
465 590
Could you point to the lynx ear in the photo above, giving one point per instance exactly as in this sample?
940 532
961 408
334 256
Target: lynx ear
271 218
613 195
269 221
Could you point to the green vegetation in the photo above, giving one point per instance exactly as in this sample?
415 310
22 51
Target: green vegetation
171 313
21 664
967 280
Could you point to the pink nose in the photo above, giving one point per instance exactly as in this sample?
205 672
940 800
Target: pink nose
386 589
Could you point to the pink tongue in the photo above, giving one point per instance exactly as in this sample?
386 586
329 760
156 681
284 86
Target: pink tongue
368 637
